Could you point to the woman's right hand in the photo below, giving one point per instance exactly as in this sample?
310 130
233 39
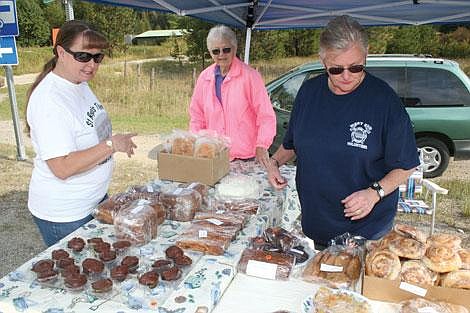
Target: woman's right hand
124 143
275 177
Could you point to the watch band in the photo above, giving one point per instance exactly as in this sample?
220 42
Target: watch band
376 186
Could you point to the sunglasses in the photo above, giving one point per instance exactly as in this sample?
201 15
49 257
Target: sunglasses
353 69
85 57
216 51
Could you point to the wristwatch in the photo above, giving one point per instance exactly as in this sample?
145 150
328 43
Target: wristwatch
376 186
109 143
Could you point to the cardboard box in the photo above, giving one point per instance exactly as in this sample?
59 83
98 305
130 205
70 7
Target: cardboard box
389 290
183 168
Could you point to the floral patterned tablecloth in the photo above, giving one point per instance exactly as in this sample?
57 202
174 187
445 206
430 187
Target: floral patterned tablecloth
198 291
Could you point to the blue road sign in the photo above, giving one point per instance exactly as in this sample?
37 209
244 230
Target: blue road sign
8 54
8 18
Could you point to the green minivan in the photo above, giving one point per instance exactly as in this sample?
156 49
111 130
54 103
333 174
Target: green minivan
435 92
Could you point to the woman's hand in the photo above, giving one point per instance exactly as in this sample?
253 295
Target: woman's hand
359 204
262 156
124 143
274 175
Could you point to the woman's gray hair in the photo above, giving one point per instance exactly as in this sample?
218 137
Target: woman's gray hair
340 33
221 33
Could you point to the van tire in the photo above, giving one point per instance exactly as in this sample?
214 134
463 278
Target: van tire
435 156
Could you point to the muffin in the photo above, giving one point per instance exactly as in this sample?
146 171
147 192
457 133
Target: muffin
75 281
108 256
119 273
132 262
183 260
102 285
63 263
92 266
149 279
43 266
173 252
76 244
162 265
59 254
47 276
173 273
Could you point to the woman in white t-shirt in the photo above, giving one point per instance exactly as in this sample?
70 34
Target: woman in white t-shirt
71 135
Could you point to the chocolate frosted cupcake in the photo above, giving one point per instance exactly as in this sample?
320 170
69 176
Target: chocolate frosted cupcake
76 244
132 262
102 246
92 266
102 285
162 265
71 269
108 256
59 254
119 273
43 266
47 276
93 241
149 279
173 273
75 281
63 263
183 260
121 245
173 252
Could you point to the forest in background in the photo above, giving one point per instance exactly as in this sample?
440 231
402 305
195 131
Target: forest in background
37 17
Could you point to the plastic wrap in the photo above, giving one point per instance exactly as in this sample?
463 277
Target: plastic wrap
239 187
246 206
181 204
420 305
182 142
208 242
136 223
338 301
270 265
203 190
337 266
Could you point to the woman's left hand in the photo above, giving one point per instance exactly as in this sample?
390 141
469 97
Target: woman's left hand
359 204
262 156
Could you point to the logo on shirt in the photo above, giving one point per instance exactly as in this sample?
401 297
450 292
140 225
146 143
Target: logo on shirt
359 132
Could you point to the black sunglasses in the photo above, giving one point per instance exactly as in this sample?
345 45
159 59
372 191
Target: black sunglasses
353 69
85 57
216 51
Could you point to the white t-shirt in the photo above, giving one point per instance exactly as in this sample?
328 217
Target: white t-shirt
66 117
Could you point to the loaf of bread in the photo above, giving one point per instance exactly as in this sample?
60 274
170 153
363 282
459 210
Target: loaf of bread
247 206
181 204
206 149
204 241
183 145
136 223
339 269
252 259
199 187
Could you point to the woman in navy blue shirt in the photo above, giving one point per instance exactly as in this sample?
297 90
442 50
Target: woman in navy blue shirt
353 141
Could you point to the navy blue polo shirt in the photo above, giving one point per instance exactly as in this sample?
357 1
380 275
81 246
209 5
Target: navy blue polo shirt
343 144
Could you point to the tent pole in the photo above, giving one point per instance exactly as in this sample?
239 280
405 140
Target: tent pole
69 16
247 45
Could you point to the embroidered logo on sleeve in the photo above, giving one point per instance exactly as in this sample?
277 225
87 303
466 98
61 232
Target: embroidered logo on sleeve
359 132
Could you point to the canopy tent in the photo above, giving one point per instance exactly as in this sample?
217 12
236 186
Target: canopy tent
288 14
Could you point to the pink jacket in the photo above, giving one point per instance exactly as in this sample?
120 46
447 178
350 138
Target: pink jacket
246 115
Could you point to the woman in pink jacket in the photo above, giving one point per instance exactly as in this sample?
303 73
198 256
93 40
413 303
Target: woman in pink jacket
230 98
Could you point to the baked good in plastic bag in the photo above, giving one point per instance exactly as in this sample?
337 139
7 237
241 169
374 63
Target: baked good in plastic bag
336 266
208 242
203 190
222 218
136 223
107 210
209 144
182 142
246 206
181 204
338 301
420 305
238 186
265 264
